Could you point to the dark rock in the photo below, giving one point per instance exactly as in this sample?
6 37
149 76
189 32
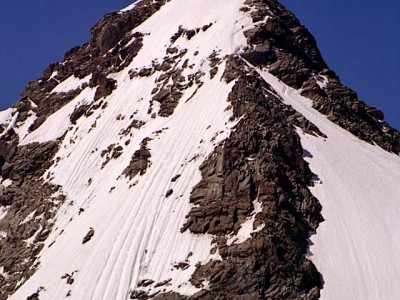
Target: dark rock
34 296
172 50
162 283
139 295
88 236
290 52
169 193
190 34
140 161
145 72
206 27
277 176
145 282
114 26
105 85
175 178
79 112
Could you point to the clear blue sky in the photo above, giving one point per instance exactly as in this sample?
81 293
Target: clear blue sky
359 39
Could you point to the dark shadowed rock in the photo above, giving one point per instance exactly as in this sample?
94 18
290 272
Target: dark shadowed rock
88 236
140 161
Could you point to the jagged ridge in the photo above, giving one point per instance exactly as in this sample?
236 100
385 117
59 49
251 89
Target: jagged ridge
259 163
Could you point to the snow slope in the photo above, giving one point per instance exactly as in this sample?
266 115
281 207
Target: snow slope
357 247
137 222
137 226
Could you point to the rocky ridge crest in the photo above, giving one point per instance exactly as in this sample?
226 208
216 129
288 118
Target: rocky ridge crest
260 163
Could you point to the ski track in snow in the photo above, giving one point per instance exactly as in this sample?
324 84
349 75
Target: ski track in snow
137 228
357 247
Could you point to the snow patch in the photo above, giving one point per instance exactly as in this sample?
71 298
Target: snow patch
58 122
53 75
12 119
71 83
322 81
30 240
2 273
129 7
22 128
6 115
247 227
6 183
3 212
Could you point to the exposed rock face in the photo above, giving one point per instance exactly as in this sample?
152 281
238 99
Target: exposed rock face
88 236
140 161
115 26
110 49
261 161
257 174
290 52
29 198
30 203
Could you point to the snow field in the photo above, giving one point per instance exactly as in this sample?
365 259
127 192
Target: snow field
137 228
357 247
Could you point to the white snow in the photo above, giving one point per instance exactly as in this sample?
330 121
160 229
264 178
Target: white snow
22 129
3 212
10 117
6 183
322 81
246 229
53 75
5 115
58 123
28 218
33 237
357 247
226 33
129 7
2 273
137 228
71 83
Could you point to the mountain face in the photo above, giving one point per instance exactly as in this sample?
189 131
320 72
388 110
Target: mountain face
197 149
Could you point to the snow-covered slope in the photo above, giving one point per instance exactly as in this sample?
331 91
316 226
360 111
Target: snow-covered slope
357 248
167 164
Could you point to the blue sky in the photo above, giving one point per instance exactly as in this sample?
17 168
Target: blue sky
359 39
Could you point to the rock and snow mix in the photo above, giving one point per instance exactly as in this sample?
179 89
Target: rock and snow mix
137 227
128 157
356 248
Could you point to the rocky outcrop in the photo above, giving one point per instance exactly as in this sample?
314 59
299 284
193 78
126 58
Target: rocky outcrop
262 161
30 203
257 174
104 85
140 161
88 236
113 46
115 26
290 52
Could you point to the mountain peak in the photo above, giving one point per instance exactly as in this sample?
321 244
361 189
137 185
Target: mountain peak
182 152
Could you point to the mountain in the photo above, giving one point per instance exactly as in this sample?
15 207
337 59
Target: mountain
197 149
